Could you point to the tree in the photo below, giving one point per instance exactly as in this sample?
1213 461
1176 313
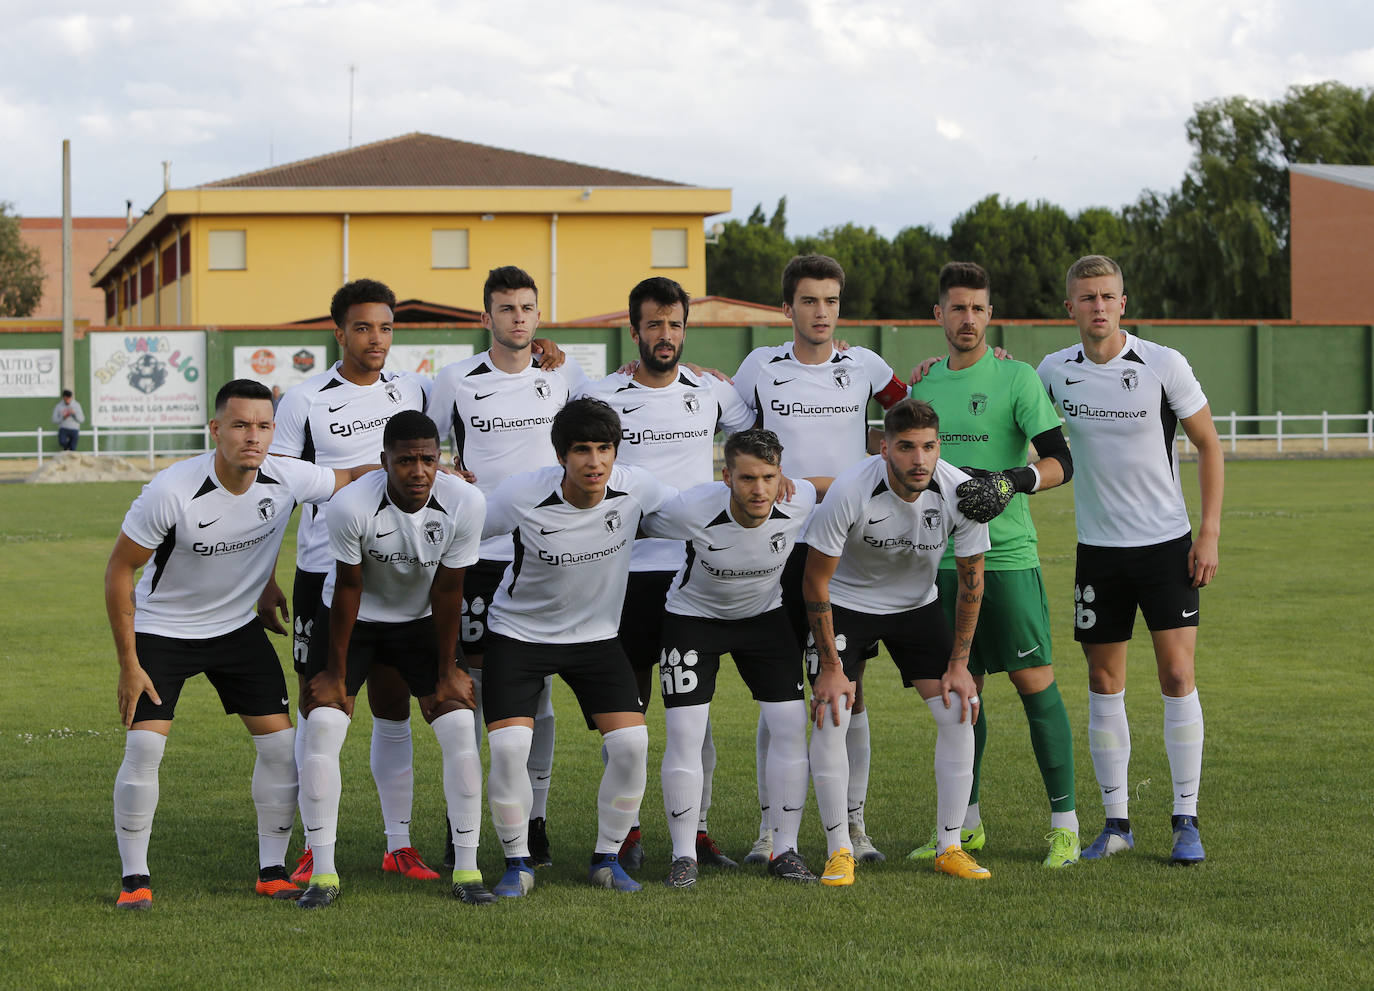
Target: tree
21 269
875 284
747 260
920 252
1026 248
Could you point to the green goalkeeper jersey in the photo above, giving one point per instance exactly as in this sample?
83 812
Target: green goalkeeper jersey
988 414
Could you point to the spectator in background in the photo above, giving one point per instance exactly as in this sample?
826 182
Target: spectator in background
68 415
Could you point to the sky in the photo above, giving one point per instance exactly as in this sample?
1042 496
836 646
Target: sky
880 113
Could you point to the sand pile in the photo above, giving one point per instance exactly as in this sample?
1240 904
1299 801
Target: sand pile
74 466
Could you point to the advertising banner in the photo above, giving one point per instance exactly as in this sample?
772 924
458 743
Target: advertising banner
592 358
30 373
143 379
279 365
426 359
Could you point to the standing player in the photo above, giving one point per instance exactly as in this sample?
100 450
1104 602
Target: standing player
989 410
400 538
815 399
556 611
211 525
726 597
336 418
876 544
498 407
1123 399
669 416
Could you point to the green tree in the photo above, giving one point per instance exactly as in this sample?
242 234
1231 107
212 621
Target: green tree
876 285
747 260
1026 248
21 269
920 252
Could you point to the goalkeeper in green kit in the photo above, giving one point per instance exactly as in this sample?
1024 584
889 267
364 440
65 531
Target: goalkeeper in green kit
989 410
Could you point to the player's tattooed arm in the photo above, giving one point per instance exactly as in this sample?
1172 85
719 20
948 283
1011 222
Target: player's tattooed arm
125 560
967 604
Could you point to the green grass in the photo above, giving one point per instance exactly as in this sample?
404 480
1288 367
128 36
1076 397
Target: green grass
1284 673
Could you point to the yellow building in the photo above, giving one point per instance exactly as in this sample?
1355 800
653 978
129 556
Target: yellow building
427 215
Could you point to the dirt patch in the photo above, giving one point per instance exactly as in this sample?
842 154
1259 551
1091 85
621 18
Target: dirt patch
73 466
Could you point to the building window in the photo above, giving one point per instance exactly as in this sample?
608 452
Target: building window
669 247
145 275
169 264
448 248
185 239
228 250
111 303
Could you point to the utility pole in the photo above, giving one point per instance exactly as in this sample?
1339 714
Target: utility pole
352 71
68 325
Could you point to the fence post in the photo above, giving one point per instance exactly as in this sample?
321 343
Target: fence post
1278 429
1233 431
151 436
40 447
1326 438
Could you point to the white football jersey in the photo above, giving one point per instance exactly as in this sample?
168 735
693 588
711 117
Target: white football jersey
671 432
332 422
731 571
401 551
498 424
890 549
566 583
213 550
1121 419
819 412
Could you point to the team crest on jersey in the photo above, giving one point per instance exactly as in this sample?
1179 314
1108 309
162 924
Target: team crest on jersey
542 389
303 361
1129 380
841 377
612 521
930 519
393 393
778 542
266 509
977 403
690 402
434 532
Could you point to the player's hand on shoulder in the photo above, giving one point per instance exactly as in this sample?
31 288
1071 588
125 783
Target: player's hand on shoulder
786 489
271 605
629 368
703 370
923 369
134 683
551 356
1002 354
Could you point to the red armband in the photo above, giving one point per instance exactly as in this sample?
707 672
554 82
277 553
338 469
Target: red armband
893 393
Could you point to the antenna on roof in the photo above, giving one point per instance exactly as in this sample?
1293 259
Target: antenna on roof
352 71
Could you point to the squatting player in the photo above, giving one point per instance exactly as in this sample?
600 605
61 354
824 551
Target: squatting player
989 410
497 408
211 526
556 611
336 418
726 598
1123 399
815 398
875 545
669 415
400 538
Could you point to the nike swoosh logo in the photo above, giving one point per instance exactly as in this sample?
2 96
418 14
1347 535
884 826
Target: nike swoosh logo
679 815
878 520
547 532
857 808
831 829
1027 653
283 829
335 409
1189 615
285 702
541 777
405 822
387 534
1189 795
789 809
1072 381
800 687
631 409
211 523
313 829
1059 798
464 832
782 381
711 547
479 396
1108 791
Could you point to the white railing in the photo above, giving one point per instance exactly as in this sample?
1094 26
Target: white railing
156 442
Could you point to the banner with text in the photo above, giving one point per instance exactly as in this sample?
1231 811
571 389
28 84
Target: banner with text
143 379
30 372
426 359
273 364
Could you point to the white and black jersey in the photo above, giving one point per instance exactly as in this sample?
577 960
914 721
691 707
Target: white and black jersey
890 549
671 432
212 550
819 412
731 571
335 423
499 423
566 582
401 551
1121 418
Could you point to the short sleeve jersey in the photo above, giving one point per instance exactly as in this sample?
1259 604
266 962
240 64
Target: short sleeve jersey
499 423
1122 417
890 549
399 551
731 571
335 423
988 414
819 412
566 583
212 550
671 432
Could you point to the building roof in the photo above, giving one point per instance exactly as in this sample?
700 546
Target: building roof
1360 176
427 160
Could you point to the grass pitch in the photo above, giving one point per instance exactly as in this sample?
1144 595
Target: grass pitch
1282 901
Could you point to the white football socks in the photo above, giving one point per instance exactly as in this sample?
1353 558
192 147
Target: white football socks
478 723
462 784
1109 742
953 769
392 754
761 775
508 787
540 765
274 794
622 786
1183 743
135 798
321 784
682 773
787 768
860 750
708 775
830 775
